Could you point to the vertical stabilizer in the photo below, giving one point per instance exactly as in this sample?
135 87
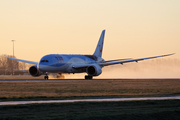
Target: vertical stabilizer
99 48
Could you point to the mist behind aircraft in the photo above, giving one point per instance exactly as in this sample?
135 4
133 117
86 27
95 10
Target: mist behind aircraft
157 68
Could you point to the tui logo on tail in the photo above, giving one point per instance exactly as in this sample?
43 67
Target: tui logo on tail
99 48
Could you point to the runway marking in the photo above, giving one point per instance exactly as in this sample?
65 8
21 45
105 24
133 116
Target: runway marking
90 100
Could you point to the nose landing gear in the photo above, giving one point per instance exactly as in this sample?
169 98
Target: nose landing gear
46 76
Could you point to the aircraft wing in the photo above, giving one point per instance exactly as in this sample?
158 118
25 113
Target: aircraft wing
131 60
26 61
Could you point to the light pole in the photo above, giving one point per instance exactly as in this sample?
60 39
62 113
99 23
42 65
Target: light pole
13 55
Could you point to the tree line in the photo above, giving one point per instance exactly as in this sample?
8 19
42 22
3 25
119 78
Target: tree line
6 66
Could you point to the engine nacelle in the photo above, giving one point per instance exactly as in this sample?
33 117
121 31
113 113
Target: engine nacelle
94 70
34 71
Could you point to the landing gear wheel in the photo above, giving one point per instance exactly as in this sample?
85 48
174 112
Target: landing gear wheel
88 77
46 77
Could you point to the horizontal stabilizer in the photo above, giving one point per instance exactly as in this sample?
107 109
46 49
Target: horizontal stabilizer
117 60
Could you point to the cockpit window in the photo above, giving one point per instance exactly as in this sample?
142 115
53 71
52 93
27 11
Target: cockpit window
44 61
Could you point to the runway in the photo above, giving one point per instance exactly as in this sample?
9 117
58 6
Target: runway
87 79
90 100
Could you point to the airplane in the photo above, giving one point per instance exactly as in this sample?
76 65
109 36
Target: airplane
67 63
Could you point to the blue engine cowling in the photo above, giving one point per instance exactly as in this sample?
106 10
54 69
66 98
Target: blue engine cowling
94 70
34 71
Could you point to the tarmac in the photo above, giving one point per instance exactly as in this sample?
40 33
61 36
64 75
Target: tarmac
87 79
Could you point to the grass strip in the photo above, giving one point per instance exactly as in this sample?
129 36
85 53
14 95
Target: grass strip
76 89
136 110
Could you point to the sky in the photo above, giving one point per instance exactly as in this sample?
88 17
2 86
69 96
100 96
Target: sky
134 28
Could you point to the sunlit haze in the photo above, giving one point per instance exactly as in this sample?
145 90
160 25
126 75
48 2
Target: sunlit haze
134 28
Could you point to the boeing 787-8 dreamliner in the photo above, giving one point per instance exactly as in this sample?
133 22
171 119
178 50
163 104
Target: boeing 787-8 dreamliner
64 63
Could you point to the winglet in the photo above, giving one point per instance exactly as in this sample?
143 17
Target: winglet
99 47
168 54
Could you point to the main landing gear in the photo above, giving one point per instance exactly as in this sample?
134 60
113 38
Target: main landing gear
88 77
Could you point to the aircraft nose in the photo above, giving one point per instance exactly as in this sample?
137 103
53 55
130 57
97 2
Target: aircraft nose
42 67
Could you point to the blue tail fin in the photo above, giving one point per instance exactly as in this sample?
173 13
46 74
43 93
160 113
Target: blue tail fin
99 48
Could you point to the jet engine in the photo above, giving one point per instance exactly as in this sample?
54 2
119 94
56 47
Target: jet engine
34 71
94 70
